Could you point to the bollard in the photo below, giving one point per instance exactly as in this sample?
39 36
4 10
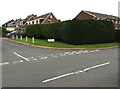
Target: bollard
33 40
16 37
21 38
13 37
26 38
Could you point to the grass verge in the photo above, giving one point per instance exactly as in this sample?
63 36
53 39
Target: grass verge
40 42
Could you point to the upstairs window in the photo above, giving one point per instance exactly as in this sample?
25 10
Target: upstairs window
32 22
51 16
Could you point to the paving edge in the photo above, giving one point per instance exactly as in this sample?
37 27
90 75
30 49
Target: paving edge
27 44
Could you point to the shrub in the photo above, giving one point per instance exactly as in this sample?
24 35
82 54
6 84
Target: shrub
48 30
75 31
87 31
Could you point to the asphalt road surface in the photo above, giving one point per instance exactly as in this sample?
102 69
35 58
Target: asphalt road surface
25 66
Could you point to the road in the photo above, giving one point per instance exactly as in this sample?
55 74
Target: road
25 66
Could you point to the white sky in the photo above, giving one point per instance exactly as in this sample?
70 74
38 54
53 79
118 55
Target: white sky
62 9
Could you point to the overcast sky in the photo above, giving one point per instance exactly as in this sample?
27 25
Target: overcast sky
62 9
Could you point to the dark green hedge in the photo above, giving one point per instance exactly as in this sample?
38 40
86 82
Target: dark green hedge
87 31
74 31
50 30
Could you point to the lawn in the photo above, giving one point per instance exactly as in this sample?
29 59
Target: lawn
64 45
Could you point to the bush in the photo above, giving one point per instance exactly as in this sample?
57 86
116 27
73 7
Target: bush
75 31
49 30
87 31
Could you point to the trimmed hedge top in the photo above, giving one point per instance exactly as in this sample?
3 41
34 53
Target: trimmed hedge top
74 31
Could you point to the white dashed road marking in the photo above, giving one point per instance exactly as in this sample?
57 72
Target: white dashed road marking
21 56
76 72
4 63
93 67
45 57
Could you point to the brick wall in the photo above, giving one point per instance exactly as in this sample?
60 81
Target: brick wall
53 19
83 15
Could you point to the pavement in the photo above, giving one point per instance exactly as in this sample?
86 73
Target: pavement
26 66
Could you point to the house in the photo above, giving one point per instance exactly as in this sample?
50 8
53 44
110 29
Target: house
99 16
18 23
26 20
9 25
31 19
46 18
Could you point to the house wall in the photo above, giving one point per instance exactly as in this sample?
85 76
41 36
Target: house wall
83 15
35 21
31 18
117 26
53 19
10 28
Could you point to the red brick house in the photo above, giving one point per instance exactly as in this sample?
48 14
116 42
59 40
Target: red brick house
46 18
25 21
99 16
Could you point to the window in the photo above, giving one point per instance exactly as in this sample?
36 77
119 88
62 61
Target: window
95 18
116 22
41 20
32 22
51 16
49 20
36 21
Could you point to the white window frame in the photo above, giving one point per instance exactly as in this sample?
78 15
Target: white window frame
116 22
51 16
49 20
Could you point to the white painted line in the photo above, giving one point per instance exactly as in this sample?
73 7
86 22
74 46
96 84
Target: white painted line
21 60
66 52
80 71
97 50
79 52
76 72
64 75
35 59
45 57
60 53
5 63
21 56
92 51
93 67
